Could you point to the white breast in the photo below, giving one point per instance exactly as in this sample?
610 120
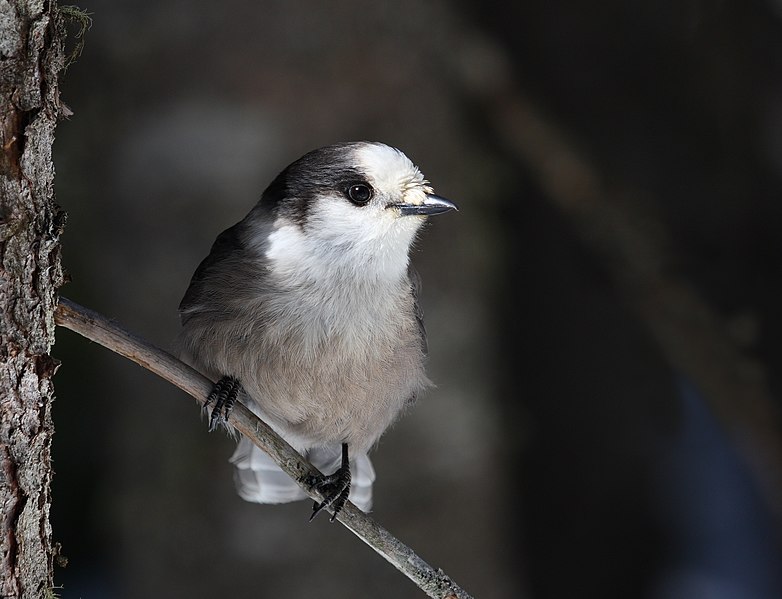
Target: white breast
340 345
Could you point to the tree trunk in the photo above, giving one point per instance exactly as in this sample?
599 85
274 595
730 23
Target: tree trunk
31 57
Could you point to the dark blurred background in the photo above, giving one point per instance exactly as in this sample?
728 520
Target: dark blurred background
603 312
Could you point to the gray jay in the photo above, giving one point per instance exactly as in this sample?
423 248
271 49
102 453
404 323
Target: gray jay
311 306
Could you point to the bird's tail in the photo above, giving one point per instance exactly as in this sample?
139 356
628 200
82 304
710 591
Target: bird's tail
260 480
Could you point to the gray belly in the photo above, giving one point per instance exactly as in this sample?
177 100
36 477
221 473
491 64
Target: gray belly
322 373
335 395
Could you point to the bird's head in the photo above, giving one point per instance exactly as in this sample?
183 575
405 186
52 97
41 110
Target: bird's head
354 204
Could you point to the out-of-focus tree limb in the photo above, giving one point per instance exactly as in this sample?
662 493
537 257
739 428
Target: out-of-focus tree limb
93 326
633 244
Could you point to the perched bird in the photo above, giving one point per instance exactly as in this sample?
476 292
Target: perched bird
311 306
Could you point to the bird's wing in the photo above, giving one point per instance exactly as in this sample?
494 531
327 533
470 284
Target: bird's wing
415 286
225 246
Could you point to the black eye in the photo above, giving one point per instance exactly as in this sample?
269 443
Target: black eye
359 193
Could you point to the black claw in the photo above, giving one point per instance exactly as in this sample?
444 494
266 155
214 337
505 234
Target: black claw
223 395
339 503
335 488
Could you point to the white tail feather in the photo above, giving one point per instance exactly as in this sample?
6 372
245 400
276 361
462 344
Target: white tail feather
259 479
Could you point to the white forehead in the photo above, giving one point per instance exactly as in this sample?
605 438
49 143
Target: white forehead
388 169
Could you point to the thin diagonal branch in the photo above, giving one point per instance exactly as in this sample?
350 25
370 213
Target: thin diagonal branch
100 329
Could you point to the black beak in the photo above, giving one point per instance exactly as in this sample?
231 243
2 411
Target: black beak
432 205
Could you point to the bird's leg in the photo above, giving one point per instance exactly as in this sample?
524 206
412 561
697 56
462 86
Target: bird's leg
334 487
223 395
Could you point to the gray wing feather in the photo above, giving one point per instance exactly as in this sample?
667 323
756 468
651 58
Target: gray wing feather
227 244
223 280
415 286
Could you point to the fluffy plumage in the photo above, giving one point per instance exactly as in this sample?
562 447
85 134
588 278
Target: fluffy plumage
311 304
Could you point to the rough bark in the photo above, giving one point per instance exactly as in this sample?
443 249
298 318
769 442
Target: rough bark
31 58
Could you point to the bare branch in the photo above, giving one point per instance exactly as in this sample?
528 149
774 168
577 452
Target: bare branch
109 334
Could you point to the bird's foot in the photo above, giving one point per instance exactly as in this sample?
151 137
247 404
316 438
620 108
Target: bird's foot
223 395
335 488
